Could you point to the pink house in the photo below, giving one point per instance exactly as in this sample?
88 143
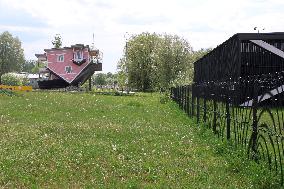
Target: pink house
69 65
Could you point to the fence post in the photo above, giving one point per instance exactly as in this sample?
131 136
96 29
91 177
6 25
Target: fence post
254 123
189 101
214 115
179 96
204 109
228 118
186 101
197 109
192 100
175 94
183 98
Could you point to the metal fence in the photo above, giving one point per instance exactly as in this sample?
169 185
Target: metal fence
248 112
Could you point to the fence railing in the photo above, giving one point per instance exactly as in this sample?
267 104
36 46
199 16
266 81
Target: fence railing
249 112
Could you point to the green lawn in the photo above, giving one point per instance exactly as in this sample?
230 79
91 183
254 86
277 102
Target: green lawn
60 140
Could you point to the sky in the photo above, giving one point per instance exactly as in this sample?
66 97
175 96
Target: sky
204 23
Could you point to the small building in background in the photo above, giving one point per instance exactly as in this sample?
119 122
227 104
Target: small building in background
33 79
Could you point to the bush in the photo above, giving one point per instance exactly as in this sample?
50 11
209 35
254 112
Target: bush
12 79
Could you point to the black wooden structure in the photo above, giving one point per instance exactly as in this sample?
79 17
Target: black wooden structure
242 55
239 65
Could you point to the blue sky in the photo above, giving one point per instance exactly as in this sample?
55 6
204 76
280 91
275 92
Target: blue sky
204 23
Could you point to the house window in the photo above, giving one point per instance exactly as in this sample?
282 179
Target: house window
78 55
60 58
68 69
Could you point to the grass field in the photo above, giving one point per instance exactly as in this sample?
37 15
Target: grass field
61 140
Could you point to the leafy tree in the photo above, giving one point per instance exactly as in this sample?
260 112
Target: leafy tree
100 79
122 74
173 57
185 77
32 66
11 54
37 66
111 78
139 61
57 42
109 75
105 79
152 61
28 66
200 53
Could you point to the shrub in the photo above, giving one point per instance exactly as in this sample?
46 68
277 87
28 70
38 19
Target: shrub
12 79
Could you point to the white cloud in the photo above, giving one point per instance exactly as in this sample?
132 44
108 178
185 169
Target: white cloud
204 23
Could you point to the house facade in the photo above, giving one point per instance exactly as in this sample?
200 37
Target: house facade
69 65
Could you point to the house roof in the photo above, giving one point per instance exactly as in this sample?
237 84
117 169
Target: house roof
33 76
76 46
40 55
59 70
248 36
260 36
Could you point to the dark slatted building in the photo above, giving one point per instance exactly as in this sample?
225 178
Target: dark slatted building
241 55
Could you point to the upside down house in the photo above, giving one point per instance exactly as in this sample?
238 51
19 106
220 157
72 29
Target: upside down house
69 66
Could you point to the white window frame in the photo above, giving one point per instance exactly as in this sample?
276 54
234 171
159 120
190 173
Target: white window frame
67 71
58 57
76 57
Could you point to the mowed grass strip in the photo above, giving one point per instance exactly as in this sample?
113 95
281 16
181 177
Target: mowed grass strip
59 140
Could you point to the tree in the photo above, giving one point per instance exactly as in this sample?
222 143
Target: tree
122 74
173 57
37 66
57 42
138 61
152 62
100 79
11 54
110 78
109 75
189 71
200 53
122 80
28 66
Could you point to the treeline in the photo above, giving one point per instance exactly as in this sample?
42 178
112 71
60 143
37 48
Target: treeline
12 57
153 61
103 79
11 54
32 66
